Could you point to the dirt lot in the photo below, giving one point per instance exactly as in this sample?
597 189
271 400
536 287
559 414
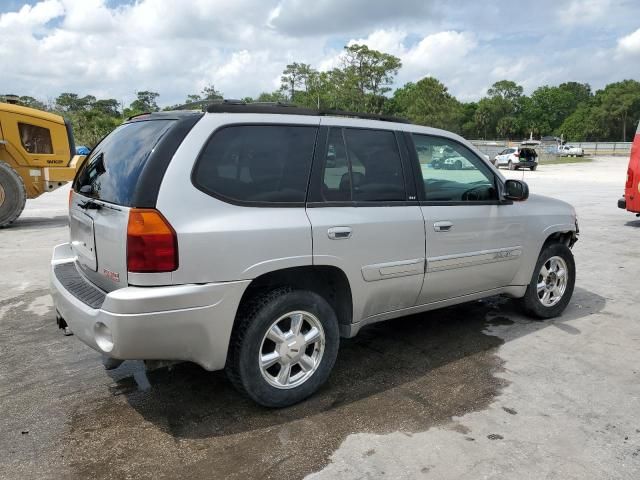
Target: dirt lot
474 391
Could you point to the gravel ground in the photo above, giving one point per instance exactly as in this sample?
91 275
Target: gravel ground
473 391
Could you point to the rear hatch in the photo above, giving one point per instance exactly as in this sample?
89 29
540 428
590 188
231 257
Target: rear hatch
632 187
105 189
528 155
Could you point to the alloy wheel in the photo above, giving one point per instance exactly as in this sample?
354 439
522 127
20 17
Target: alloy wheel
292 349
552 281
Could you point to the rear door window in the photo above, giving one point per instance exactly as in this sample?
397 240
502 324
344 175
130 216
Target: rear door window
363 165
257 164
112 170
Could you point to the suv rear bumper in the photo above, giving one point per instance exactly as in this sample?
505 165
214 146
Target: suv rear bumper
181 322
526 163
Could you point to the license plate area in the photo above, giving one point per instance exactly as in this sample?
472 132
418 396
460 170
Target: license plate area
83 239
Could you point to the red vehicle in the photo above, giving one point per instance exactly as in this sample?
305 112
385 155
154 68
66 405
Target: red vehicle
631 199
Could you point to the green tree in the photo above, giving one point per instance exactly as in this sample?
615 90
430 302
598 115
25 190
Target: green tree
272 97
505 89
619 105
210 93
295 77
504 100
31 102
367 76
507 127
582 125
427 102
108 106
71 102
145 102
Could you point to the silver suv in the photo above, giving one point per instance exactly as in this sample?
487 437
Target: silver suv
251 238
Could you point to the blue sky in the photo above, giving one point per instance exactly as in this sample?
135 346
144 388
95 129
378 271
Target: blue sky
114 48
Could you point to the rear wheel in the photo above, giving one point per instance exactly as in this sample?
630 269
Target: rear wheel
13 195
284 347
534 168
552 283
511 166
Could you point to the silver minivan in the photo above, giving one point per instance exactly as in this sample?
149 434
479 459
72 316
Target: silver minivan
251 238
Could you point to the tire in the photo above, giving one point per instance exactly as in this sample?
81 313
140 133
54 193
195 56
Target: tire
533 169
250 342
510 165
531 303
13 195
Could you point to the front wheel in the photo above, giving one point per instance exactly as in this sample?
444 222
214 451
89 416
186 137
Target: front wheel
552 283
284 347
12 194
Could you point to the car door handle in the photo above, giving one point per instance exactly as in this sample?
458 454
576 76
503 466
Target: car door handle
442 226
339 233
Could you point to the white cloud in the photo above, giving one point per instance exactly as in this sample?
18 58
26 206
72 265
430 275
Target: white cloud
441 55
630 44
441 51
242 46
29 16
581 12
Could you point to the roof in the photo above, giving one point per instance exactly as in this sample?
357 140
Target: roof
31 112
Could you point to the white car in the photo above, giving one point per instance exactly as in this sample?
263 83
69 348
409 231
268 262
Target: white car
517 157
570 151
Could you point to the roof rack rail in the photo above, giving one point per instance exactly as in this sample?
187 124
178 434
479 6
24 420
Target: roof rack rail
138 115
239 106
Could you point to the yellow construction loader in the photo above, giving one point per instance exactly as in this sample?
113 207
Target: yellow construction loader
37 155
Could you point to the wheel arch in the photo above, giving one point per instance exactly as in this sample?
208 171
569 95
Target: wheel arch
566 234
326 280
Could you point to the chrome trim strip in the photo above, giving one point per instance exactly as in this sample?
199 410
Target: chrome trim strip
403 268
449 262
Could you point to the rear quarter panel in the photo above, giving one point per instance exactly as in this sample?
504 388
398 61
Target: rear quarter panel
219 241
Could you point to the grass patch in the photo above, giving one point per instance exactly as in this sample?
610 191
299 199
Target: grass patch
562 160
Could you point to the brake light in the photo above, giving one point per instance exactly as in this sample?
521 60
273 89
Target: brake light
70 197
152 243
517 155
629 183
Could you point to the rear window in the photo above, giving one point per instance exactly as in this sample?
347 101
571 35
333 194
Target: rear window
257 163
35 139
112 170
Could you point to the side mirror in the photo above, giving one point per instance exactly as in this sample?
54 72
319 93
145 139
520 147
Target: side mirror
516 190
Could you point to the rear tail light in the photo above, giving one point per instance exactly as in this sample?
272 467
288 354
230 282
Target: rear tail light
517 155
70 197
629 183
152 243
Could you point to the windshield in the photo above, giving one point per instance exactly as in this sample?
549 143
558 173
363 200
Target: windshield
112 170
